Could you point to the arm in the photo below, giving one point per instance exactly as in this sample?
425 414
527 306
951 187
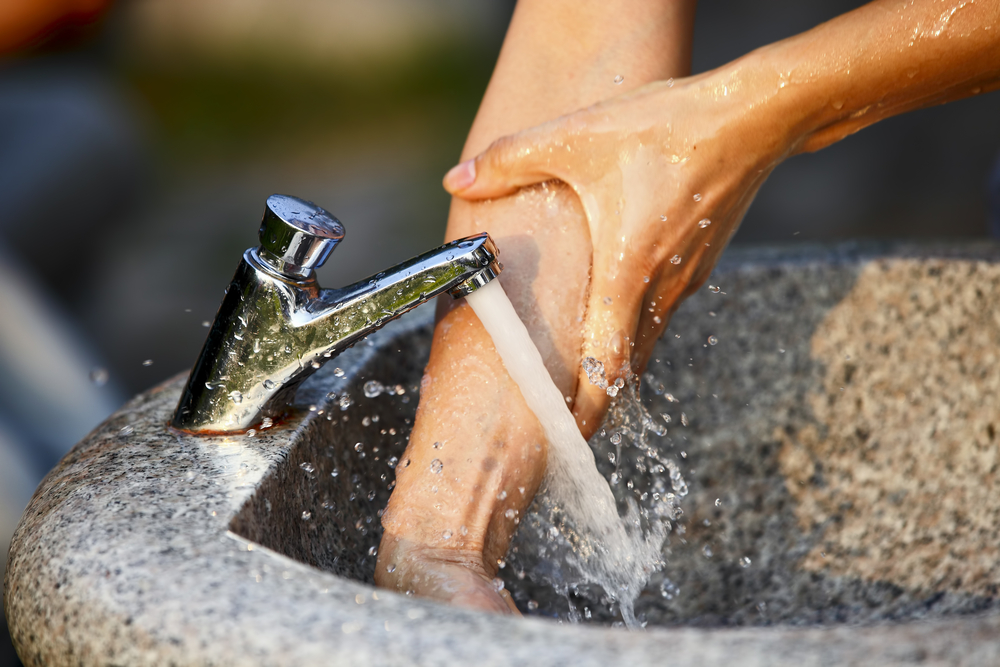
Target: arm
446 531
666 172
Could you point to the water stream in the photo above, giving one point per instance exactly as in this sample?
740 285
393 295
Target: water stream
616 551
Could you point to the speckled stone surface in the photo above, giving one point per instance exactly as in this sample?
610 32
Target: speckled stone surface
846 420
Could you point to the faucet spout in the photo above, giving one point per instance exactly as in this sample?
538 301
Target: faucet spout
276 326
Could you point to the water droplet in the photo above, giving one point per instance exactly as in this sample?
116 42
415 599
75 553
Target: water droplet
99 376
619 80
612 391
645 279
676 259
607 301
663 218
306 515
501 563
718 502
670 82
745 562
269 384
437 445
497 584
532 605
666 417
502 495
437 466
335 472
206 324
616 439
595 372
668 589
671 398
148 362
657 320
266 422
697 197
619 383
251 433
236 396
714 289
705 222
126 430
707 551
684 419
446 534
338 372
712 340
510 514
373 388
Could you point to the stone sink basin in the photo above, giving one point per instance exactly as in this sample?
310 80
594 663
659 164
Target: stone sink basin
847 422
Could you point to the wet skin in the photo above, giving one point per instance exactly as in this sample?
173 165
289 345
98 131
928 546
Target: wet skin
659 177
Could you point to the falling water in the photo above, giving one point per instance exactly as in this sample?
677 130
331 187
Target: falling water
610 550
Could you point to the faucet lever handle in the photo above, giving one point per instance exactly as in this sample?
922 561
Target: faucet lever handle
296 236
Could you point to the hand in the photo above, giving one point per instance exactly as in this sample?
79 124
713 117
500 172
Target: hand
665 173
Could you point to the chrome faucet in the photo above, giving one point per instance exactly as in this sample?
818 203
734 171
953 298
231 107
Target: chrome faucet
276 327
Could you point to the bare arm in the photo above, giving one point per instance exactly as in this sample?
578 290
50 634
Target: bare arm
445 531
667 171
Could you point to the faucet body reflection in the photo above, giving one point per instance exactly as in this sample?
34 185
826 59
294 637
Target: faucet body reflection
276 326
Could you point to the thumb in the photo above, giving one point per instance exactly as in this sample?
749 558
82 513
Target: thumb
510 163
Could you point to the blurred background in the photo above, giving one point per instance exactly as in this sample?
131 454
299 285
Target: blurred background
139 141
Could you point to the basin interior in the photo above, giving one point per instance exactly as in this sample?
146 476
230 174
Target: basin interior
840 449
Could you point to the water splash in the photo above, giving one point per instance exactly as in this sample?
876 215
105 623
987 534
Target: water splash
591 535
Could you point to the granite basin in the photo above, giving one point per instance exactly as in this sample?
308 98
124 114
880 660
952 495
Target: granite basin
846 421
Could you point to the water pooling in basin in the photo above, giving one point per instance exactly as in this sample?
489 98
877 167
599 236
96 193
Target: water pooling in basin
616 552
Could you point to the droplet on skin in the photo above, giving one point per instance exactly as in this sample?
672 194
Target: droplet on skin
437 466
705 222
718 502
663 218
607 301
616 439
497 584
437 445
697 196
676 259
390 568
670 82
612 391
619 80
446 534
306 515
712 340
502 495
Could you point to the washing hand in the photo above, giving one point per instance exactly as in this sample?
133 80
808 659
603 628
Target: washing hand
659 177
665 174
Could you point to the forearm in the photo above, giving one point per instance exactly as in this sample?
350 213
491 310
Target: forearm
880 60
563 55
558 56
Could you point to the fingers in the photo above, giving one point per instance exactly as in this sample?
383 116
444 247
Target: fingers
509 164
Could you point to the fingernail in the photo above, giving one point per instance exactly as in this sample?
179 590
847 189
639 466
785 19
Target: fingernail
460 176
